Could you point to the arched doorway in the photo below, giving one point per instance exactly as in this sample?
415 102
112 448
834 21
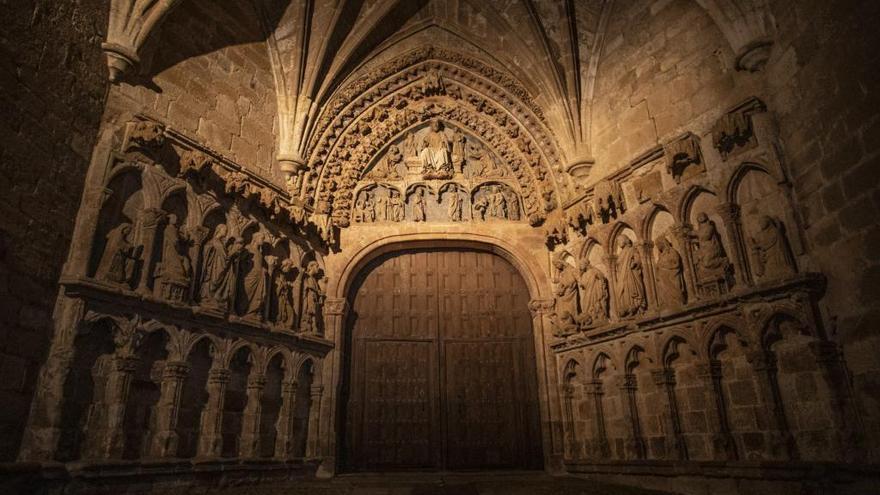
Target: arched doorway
441 368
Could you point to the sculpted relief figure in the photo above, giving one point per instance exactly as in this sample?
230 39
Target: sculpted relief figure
512 205
771 250
418 205
387 167
255 282
481 204
630 284
566 288
670 280
173 273
313 298
565 317
593 291
286 294
459 145
497 203
381 208
410 146
219 267
713 266
436 162
454 208
395 204
359 212
118 260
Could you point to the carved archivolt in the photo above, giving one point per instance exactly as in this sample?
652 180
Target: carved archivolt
379 117
356 96
354 151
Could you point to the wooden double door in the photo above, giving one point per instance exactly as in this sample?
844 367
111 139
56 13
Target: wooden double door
442 370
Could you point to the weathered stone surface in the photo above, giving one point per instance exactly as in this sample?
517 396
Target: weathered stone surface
689 189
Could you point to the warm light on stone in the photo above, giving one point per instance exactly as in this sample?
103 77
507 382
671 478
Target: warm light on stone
520 247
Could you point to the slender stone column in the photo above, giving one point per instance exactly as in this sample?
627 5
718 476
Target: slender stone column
845 416
165 440
106 437
666 378
40 439
600 449
723 444
636 444
149 224
313 444
198 235
611 261
250 427
682 234
284 425
647 250
782 442
730 214
210 436
571 440
549 384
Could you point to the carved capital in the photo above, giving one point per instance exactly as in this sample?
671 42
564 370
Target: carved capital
540 307
218 375
335 306
665 376
256 381
144 135
729 212
175 370
194 162
152 217
130 25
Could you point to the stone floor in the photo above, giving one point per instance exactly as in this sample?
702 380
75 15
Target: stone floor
440 484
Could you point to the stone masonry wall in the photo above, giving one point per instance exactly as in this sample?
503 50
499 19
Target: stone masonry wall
211 79
666 69
822 82
52 87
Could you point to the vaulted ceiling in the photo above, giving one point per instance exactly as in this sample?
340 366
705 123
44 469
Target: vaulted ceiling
551 48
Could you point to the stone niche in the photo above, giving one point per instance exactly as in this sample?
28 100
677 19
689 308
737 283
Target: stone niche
686 324
190 323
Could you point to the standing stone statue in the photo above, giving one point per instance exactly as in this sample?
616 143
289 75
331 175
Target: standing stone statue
381 207
454 208
566 289
497 203
593 291
218 270
285 293
436 162
360 208
712 262
512 206
313 298
771 250
369 208
670 280
173 272
396 205
255 282
630 284
117 261
480 206
410 146
459 145
418 205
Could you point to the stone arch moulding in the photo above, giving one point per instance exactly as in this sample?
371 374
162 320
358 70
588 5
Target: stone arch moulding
394 99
